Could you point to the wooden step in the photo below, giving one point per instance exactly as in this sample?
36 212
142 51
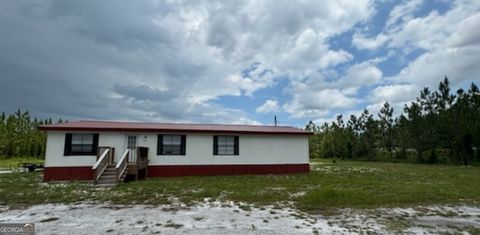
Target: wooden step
108 177
100 181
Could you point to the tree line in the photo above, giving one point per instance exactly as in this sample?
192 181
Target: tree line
19 135
438 126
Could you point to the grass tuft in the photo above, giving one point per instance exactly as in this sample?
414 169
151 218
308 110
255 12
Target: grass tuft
327 187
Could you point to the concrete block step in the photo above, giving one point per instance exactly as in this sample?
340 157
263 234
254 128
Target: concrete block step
104 185
107 182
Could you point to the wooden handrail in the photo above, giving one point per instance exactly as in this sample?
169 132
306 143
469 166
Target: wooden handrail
122 165
101 164
100 150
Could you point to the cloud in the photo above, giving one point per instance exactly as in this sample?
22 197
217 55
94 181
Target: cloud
270 106
364 73
145 93
466 33
403 12
449 45
452 46
400 14
177 61
162 61
309 103
405 30
317 95
394 93
362 42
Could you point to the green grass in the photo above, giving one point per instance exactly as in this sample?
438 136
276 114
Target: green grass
329 186
12 163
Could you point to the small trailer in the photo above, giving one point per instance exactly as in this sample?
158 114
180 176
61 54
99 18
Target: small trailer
30 167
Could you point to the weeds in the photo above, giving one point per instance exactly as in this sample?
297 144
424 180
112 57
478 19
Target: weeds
326 188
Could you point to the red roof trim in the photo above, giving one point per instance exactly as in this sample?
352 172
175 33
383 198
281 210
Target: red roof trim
173 128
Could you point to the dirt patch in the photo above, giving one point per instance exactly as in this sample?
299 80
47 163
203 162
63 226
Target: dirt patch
225 218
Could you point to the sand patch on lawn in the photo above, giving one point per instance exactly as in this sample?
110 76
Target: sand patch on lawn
231 218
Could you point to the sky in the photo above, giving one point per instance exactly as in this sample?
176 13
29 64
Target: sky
231 62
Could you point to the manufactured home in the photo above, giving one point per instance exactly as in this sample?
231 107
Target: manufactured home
110 151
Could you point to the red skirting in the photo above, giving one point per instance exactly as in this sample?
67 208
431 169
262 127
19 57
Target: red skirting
188 170
68 173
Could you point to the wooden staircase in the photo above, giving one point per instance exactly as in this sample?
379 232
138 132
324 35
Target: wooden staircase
108 177
107 173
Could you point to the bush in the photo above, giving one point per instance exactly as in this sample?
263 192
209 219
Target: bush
443 155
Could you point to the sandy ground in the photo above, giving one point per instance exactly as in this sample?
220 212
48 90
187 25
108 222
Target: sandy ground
230 218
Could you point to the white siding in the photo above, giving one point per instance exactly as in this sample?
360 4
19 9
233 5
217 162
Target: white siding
113 139
54 153
253 149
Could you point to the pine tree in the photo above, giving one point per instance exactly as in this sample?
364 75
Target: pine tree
386 127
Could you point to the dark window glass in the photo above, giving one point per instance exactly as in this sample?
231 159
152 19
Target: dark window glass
171 145
81 144
226 145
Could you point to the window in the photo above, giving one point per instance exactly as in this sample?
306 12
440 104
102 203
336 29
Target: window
225 145
80 144
171 145
131 142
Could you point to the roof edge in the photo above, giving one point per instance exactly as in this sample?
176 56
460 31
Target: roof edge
109 129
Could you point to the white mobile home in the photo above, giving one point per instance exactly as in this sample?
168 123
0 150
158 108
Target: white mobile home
84 150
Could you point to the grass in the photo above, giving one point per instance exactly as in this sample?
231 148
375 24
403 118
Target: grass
12 163
328 186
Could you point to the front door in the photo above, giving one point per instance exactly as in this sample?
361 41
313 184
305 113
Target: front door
132 146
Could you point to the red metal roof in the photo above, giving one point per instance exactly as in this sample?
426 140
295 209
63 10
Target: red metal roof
172 127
